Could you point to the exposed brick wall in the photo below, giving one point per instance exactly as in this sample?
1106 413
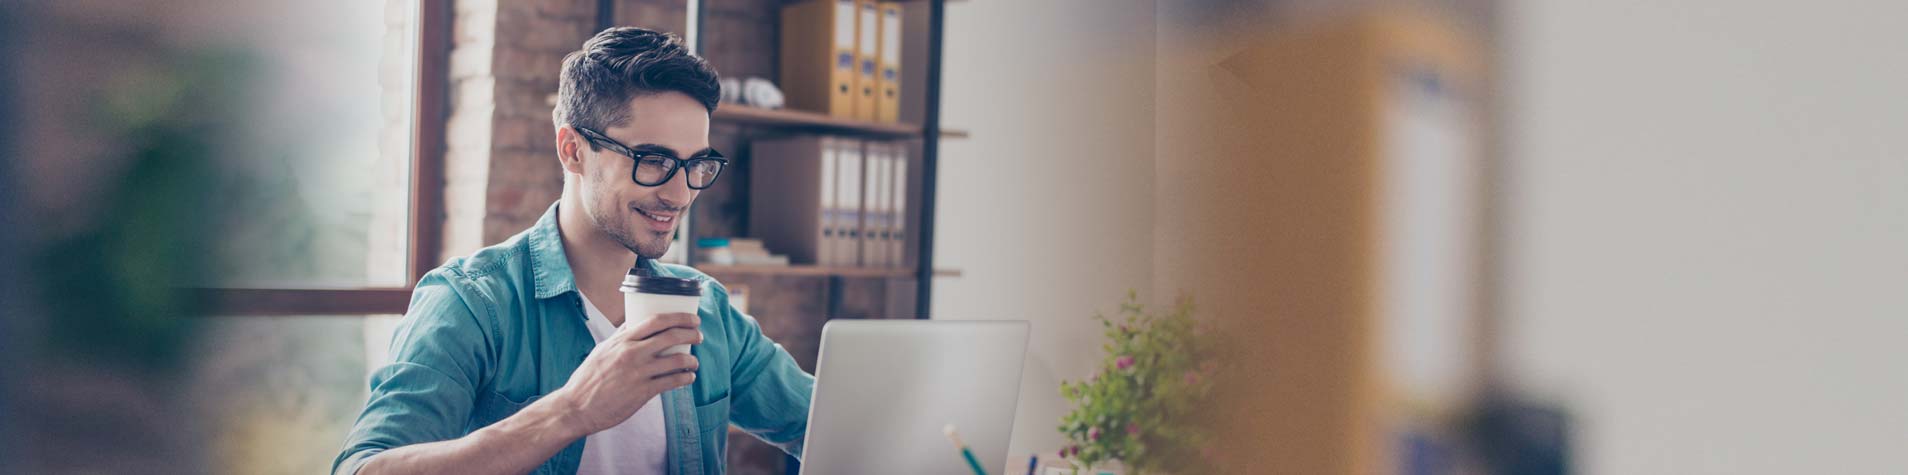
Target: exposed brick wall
500 161
468 126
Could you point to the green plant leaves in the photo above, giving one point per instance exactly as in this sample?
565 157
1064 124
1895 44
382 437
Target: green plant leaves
1139 407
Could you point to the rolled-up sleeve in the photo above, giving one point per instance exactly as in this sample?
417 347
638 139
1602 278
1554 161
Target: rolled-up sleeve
439 356
771 392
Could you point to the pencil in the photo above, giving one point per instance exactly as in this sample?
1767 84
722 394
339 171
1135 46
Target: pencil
973 463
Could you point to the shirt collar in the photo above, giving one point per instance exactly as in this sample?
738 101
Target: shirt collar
548 264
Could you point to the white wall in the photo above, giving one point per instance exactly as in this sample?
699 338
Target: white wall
1047 209
1708 230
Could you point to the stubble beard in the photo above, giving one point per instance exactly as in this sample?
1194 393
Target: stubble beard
613 220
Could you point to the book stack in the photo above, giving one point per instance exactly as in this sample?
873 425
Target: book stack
738 251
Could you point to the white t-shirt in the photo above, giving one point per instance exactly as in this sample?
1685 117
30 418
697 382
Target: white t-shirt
638 445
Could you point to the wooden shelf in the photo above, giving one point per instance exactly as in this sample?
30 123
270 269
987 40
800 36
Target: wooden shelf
819 271
814 122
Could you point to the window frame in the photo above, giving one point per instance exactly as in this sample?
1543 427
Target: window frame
429 113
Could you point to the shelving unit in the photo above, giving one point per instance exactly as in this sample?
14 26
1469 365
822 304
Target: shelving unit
820 271
788 298
810 122
754 121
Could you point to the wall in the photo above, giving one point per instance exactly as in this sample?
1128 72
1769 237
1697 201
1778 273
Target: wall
1047 209
1707 231
500 157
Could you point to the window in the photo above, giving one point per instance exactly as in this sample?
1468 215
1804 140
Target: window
331 203
330 211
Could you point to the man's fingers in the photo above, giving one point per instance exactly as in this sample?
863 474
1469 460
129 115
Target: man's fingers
669 337
647 327
670 364
677 380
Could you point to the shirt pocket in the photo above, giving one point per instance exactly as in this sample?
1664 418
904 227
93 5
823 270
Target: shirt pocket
714 414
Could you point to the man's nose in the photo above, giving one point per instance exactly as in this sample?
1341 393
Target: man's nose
675 193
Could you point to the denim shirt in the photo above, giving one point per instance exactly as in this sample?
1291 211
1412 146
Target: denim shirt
488 334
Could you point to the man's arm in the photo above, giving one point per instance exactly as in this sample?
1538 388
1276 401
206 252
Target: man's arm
440 355
419 404
771 393
517 444
622 374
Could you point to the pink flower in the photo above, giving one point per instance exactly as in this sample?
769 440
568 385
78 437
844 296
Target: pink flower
1093 434
1123 362
1192 378
1132 429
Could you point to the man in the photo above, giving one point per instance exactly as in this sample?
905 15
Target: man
519 357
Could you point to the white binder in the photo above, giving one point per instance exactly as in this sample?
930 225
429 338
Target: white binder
874 246
830 217
848 202
898 235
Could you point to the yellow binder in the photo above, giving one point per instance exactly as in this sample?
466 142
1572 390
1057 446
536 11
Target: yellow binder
867 51
888 100
818 56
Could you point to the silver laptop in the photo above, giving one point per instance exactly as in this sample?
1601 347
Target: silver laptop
884 389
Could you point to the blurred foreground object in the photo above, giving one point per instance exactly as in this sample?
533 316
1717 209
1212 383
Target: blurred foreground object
1519 438
1331 220
112 327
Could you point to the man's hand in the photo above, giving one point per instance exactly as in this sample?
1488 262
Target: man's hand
625 371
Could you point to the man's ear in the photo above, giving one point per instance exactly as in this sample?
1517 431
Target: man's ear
569 147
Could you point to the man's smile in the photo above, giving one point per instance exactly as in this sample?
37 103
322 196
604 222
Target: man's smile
658 221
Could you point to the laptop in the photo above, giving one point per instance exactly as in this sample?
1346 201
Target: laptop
885 389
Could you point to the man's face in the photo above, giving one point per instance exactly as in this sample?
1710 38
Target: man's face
644 218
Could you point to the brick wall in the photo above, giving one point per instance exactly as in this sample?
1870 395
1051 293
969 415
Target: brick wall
500 159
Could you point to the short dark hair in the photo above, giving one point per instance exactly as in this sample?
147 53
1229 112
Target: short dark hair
621 63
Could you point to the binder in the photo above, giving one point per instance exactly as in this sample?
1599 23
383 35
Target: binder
894 211
867 57
898 236
891 245
818 62
871 206
847 250
791 213
829 219
880 182
888 98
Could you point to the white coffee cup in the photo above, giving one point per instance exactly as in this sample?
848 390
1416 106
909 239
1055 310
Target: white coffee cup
646 296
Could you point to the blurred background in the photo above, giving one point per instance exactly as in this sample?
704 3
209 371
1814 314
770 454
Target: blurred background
1458 236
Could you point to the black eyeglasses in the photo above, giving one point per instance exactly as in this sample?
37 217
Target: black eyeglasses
654 168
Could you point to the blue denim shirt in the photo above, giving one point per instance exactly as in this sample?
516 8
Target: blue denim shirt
488 334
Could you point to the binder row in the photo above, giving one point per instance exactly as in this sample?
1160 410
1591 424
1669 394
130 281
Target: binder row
831 201
843 58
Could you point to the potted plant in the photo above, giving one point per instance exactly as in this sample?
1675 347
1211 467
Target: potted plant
1138 410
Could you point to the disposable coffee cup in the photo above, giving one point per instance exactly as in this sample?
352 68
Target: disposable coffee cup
645 296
